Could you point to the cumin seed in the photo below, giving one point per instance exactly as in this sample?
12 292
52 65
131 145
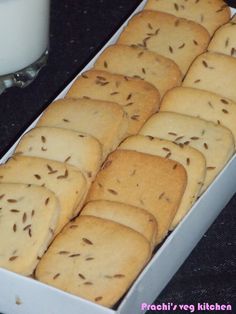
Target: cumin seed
112 191
205 64
74 255
135 117
98 299
176 6
105 64
119 276
13 258
182 46
224 101
27 227
211 168
67 159
37 176
82 276
63 176
56 276
43 139
87 241
166 149
24 218
73 226
12 201
64 253
47 201
168 155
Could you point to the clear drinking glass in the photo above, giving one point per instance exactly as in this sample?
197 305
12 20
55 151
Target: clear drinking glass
24 40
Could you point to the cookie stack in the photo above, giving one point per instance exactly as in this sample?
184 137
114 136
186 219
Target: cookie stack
137 139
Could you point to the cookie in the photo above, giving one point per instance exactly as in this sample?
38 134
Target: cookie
29 217
150 182
73 148
201 104
178 39
106 121
95 259
68 184
190 158
210 14
215 142
224 39
215 73
133 217
141 64
138 99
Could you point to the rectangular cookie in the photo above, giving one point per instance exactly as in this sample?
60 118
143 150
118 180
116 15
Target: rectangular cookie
215 142
106 121
210 14
201 104
29 217
139 63
95 259
224 39
67 182
215 73
190 158
70 147
138 99
150 182
133 217
178 39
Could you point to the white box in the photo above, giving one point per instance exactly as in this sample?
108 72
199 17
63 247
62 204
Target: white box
21 295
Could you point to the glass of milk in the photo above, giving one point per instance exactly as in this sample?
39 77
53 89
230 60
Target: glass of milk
24 40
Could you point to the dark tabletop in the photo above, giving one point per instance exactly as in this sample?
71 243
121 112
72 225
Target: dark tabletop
79 28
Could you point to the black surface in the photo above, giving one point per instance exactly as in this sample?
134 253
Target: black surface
78 29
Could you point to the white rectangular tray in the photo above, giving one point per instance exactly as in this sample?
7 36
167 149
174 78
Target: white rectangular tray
21 295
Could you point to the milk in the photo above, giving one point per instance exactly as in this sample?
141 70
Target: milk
24 26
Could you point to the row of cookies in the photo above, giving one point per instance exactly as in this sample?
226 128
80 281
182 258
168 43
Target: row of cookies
62 155
160 176
202 112
55 157
125 102
108 81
